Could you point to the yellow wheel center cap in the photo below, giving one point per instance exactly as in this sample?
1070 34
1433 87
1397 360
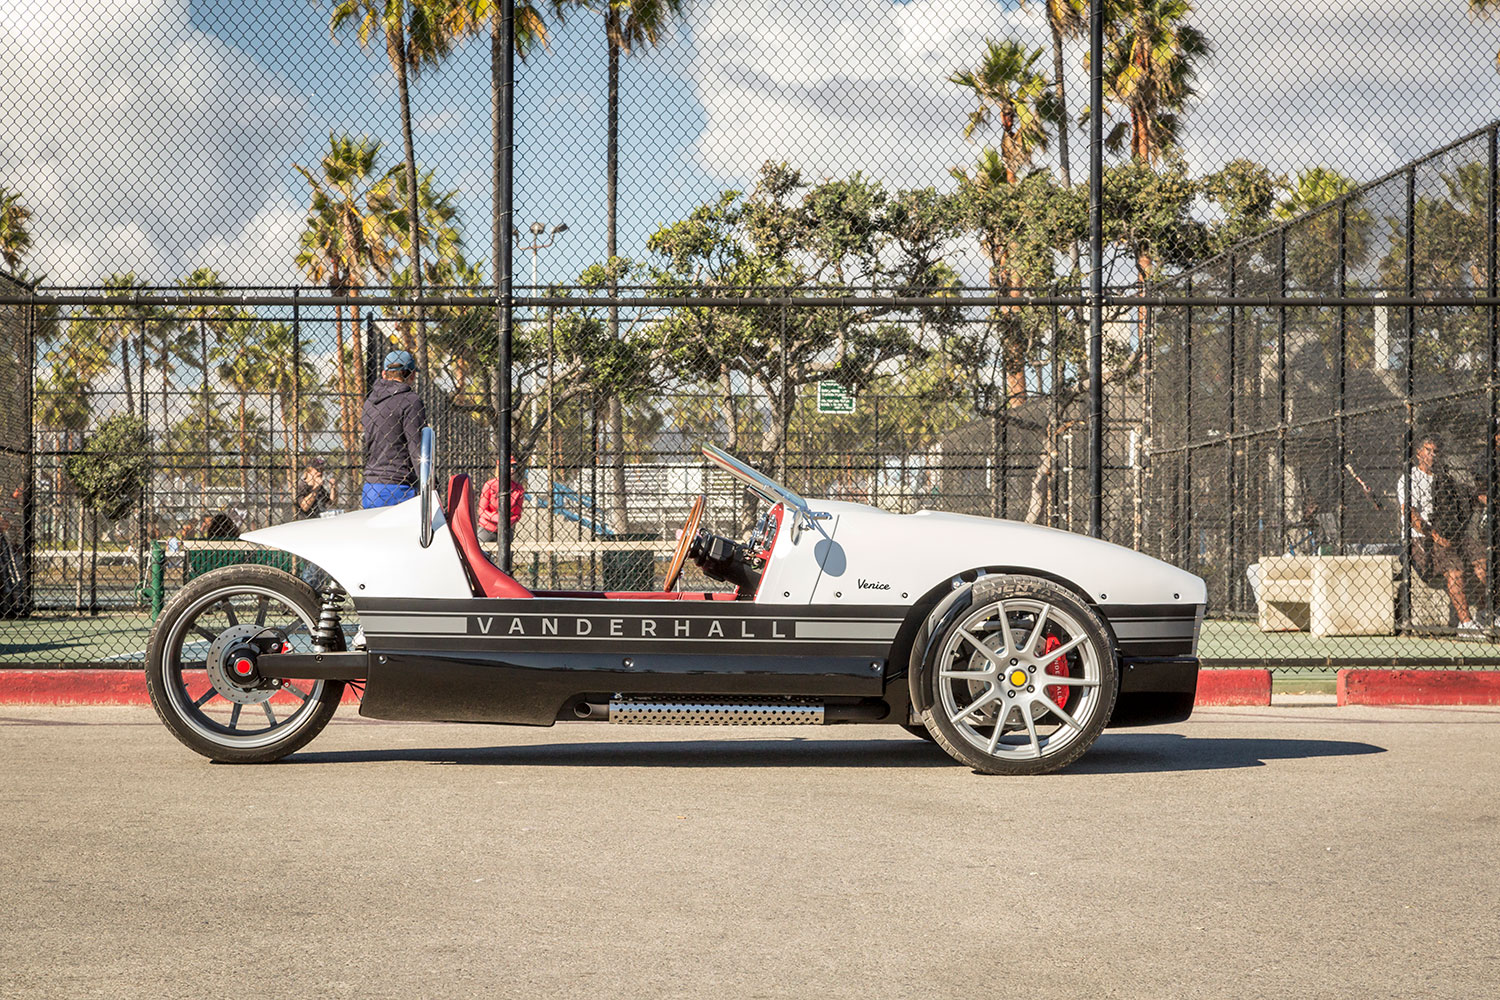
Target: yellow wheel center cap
1018 678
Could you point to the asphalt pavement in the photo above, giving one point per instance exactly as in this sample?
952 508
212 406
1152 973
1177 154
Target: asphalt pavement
1269 852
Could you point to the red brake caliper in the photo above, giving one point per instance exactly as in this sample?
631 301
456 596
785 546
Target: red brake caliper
1057 668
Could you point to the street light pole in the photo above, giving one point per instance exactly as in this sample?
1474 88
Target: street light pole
538 230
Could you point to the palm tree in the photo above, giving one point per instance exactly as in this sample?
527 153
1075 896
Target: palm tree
118 324
437 233
15 237
1066 20
243 361
288 379
207 321
344 243
417 34
1148 68
1007 84
1008 87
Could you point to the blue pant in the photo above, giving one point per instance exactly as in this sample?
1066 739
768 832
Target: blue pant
386 494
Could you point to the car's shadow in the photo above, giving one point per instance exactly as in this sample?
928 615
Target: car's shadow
1121 753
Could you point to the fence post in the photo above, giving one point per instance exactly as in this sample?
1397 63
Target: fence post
1096 268
1185 524
1408 384
1281 392
502 149
1491 286
1233 584
1340 429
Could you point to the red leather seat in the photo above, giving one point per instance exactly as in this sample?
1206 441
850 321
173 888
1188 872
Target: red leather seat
486 578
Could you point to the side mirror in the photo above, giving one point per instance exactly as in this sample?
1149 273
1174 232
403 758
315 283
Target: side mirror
424 484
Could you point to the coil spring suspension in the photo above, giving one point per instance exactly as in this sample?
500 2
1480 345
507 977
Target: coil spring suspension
328 637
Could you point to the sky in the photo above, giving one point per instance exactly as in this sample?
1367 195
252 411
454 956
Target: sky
159 135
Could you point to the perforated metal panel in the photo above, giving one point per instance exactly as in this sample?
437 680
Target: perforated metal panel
648 712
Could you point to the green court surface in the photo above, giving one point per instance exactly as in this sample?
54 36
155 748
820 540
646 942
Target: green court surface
1242 643
56 638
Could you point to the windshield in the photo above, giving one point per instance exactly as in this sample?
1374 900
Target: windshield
768 489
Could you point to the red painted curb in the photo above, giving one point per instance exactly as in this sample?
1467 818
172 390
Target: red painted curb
1418 687
82 687
1233 687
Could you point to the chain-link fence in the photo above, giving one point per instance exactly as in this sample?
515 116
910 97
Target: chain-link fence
848 242
1287 439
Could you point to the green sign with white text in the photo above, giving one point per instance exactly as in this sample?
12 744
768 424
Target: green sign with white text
834 398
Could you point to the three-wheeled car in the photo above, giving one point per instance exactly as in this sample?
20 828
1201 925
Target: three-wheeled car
1010 645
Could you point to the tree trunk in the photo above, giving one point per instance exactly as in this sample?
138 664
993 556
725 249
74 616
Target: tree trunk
125 367
1062 106
398 60
997 460
207 440
346 434
244 453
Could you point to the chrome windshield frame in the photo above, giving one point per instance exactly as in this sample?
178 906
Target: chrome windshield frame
766 487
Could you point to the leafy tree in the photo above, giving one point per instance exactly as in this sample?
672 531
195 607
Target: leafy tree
1245 192
111 470
835 235
15 235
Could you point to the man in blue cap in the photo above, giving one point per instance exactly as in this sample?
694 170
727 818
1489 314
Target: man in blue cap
393 419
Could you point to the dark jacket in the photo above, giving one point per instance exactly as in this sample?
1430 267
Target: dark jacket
393 420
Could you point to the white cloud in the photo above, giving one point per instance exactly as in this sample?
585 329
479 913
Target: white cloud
861 84
839 86
139 140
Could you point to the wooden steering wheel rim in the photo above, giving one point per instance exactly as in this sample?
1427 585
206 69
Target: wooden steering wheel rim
689 532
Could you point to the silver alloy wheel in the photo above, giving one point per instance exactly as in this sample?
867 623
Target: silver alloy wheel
995 681
210 704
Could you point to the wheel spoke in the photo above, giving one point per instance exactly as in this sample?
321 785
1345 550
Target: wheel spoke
1068 647
270 715
1000 728
229 612
988 653
206 696
191 665
210 636
289 686
1039 630
234 716
1053 707
261 606
976 704
1036 744
1077 682
1005 634
963 675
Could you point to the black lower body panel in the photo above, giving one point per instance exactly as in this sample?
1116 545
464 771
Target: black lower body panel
1155 690
532 688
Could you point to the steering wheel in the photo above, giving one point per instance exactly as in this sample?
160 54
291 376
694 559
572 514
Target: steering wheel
689 532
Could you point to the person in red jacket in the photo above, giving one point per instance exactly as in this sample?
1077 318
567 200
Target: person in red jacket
489 504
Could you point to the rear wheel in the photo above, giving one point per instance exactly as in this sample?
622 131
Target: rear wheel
201 666
1018 677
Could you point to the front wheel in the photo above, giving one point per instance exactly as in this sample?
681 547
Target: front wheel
201 666
1018 675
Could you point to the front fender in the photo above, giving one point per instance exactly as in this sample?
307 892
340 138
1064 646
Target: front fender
376 552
